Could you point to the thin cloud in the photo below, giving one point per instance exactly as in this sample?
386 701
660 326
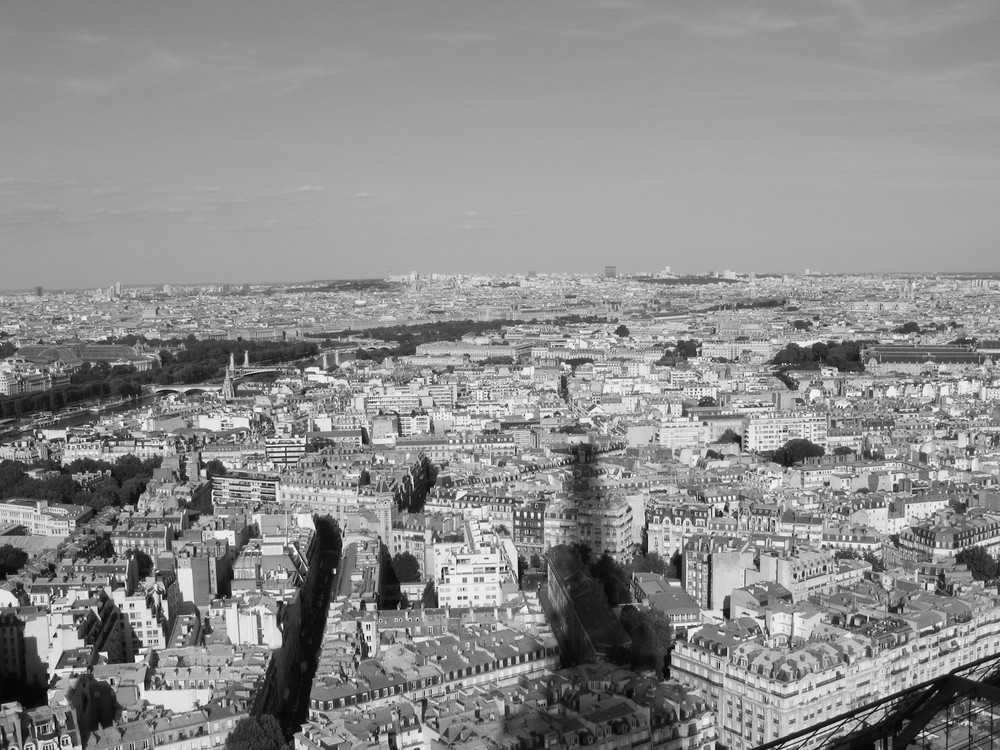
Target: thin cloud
33 184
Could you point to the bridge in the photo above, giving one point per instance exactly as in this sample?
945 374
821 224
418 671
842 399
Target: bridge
234 375
186 388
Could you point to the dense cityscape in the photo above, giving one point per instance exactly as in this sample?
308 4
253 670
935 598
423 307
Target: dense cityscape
498 511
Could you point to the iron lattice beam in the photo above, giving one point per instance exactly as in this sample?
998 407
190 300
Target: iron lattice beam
944 697
874 724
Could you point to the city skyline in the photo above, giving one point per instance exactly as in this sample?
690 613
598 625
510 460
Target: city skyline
737 276
247 142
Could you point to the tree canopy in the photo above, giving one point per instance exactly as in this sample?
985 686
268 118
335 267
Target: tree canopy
406 566
653 563
430 597
256 733
982 565
12 559
795 451
215 468
614 578
844 355
730 436
622 331
124 481
652 640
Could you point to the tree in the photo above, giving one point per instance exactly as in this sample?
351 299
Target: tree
652 640
253 733
131 490
622 331
12 559
429 598
614 578
706 401
676 561
795 451
330 537
730 436
877 563
406 566
648 563
144 561
215 468
980 563
687 348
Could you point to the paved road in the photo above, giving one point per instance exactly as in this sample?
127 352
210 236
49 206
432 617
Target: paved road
296 708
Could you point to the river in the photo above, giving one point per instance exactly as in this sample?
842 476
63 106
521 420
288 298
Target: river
77 418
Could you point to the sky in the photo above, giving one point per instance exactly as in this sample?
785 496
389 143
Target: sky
238 141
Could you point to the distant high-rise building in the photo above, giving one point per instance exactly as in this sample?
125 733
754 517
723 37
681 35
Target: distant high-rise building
38 291
610 272
118 289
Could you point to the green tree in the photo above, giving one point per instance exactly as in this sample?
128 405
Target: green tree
144 561
12 559
876 561
331 538
215 468
981 564
795 451
652 640
688 348
582 550
256 733
429 598
730 436
131 490
622 331
614 578
648 563
406 566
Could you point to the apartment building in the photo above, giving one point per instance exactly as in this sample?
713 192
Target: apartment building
713 567
763 691
768 433
604 523
42 518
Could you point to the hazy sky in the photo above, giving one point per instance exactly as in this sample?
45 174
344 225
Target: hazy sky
234 140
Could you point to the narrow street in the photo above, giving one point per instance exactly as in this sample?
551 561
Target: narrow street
296 708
